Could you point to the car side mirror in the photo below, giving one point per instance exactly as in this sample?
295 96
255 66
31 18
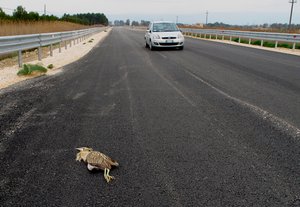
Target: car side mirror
150 31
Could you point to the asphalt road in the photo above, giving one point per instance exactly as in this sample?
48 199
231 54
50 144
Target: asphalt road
212 125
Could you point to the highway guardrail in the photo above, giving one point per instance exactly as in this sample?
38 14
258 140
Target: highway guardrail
262 36
19 43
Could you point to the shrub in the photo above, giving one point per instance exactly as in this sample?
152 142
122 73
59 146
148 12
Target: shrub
28 69
51 66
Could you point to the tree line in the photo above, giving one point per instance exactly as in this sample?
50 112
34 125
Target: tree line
87 19
133 23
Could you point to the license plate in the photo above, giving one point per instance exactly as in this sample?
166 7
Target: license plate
169 41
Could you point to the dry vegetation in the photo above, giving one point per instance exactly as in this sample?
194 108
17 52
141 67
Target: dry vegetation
32 27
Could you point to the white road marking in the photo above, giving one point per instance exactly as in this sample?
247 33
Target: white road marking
276 121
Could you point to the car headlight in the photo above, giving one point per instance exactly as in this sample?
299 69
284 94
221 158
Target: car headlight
156 36
180 36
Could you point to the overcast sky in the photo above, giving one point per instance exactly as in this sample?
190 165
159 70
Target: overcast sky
188 11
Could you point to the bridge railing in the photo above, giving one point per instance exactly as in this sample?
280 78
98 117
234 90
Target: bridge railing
19 43
262 36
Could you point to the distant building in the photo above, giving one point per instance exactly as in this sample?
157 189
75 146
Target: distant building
200 25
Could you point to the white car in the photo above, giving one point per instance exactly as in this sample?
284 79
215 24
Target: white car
164 34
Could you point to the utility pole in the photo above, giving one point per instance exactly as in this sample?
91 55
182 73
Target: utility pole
206 17
291 15
45 9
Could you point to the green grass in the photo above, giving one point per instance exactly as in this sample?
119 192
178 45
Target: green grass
242 40
269 44
29 68
272 44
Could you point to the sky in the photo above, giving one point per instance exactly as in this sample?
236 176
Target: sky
240 12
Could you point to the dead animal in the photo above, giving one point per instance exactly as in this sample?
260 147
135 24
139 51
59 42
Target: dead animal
96 160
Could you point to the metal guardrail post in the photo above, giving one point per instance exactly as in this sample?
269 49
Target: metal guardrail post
59 49
276 44
262 43
39 53
40 49
60 40
239 39
20 58
51 50
294 45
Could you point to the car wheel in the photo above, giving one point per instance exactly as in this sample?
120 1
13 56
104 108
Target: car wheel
151 46
146 46
181 47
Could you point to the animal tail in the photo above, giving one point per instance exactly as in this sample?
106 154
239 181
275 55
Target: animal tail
114 163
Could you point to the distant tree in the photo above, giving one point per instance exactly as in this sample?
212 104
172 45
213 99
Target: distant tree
218 24
88 18
265 25
135 23
127 22
119 23
33 16
2 14
20 13
145 23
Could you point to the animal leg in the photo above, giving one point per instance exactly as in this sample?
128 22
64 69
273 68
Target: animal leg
107 177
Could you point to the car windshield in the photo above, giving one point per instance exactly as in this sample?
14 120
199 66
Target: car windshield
165 27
